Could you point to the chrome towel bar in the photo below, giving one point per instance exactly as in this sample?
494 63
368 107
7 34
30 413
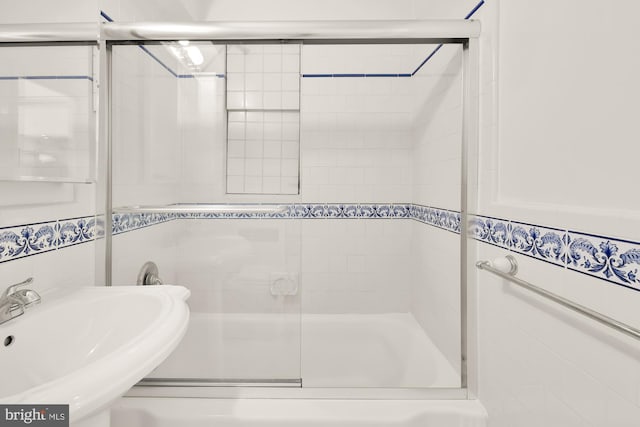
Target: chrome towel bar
510 276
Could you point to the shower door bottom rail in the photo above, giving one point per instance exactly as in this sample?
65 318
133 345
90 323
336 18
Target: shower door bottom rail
220 382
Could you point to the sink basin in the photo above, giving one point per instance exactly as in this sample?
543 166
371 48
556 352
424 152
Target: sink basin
88 346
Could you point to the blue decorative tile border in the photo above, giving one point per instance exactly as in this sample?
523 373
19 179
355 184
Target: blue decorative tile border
614 260
441 218
123 222
348 211
31 239
75 230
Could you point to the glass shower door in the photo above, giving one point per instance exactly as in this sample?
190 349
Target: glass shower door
172 205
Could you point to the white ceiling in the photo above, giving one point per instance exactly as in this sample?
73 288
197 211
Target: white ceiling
277 10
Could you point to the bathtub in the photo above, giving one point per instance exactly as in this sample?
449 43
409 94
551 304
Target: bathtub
312 350
350 365
153 412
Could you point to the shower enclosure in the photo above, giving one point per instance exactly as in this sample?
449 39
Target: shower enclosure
309 188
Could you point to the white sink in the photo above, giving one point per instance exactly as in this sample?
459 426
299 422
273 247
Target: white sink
88 346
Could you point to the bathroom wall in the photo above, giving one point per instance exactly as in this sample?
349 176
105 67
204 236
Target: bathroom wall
356 148
202 124
47 128
558 90
436 166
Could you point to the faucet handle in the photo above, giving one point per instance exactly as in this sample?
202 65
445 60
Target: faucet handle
13 288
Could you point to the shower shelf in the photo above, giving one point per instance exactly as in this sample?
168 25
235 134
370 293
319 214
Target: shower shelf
202 208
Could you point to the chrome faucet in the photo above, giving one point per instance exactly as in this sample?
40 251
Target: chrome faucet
14 301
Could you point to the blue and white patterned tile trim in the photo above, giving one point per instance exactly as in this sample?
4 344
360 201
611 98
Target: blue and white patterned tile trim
25 240
613 260
546 244
123 222
73 231
610 259
311 211
441 218
31 239
349 211
494 231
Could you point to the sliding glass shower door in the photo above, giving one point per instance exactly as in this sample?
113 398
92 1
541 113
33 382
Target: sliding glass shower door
178 201
243 169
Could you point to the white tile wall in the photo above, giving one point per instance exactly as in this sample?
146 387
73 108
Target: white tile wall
539 363
202 124
262 152
30 202
435 287
353 266
436 176
230 265
70 267
438 131
356 132
359 152
263 99
146 137
131 250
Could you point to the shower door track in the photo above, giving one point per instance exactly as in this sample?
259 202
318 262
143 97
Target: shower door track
219 382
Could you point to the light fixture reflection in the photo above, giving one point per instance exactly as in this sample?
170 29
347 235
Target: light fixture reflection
189 55
195 55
